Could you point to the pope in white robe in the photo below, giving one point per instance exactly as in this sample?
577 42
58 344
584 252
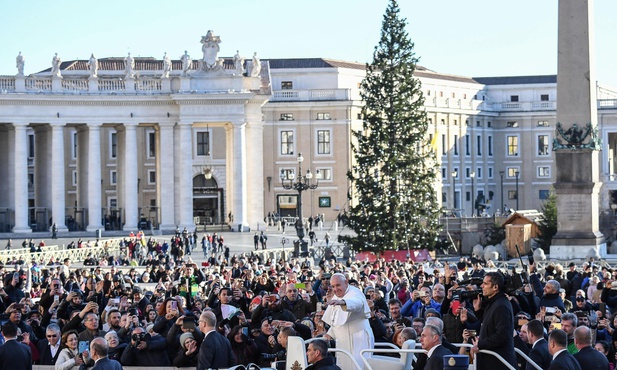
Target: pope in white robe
348 314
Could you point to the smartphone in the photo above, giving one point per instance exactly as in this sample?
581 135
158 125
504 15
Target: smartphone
174 305
550 310
188 324
421 293
531 260
300 285
522 322
556 325
83 346
16 275
245 330
56 298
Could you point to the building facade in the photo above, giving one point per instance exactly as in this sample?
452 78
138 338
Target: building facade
128 143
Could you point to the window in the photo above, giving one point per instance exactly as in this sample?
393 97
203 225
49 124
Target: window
479 145
544 194
542 123
430 121
467 172
113 177
153 202
479 173
113 147
30 181
478 124
543 145
490 172
512 194
443 198
151 144
288 174
113 202
443 121
513 98
543 97
287 142
512 171
488 124
324 174
74 146
544 171
443 144
454 95
359 116
151 177
512 124
467 196
323 141
455 144
455 123
287 117
74 177
203 143
512 146
323 116
490 146
466 122
325 202
31 145
287 85
467 146
428 92
444 174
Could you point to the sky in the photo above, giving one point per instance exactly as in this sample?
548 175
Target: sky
473 38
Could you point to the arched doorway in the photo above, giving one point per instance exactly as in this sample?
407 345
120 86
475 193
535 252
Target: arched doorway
208 201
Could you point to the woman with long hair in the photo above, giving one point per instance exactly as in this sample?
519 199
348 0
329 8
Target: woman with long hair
244 348
70 358
168 314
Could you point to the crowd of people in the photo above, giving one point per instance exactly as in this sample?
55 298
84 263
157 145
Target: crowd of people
168 311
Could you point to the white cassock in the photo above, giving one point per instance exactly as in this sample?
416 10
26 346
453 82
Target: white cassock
350 327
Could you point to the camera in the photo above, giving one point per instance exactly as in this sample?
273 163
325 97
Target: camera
464 294
138 337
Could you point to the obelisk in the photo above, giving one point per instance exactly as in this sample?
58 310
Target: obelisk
576 142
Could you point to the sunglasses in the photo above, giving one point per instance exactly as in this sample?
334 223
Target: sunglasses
52 336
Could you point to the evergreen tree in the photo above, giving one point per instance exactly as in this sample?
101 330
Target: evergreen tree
395 168
547 226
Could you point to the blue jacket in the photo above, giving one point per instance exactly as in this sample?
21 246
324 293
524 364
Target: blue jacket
417 308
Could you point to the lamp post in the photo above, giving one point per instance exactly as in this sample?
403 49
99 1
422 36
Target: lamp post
501 175
473 204
516 174
300 184
454 174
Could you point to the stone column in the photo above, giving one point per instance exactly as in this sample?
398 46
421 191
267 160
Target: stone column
239 177
578 182
255 171
165 175
82 167
129 176
94 177
21 179
185 175
42 168
229 172
58 189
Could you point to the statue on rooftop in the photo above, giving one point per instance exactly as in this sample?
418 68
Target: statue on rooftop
93 64
129 66
55 66
186 63
20 64
166 66
239 62
256 69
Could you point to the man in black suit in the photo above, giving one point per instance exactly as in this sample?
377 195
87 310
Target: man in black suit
587 356
539 351
215 351
98 352
431 342
14 355
49 348
562 359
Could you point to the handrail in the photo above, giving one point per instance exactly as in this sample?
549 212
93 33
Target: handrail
529 360
367 365
494 354
386 344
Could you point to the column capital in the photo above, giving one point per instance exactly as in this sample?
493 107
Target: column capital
185 124
164 125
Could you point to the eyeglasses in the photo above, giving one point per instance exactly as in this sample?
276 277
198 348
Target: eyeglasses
52 336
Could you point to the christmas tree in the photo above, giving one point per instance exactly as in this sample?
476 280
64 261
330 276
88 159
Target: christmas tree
394 203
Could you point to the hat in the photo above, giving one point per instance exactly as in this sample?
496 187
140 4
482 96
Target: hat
572 264
184 337
432 311
136 289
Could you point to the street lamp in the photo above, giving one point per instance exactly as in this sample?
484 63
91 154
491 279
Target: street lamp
454 174
501 175
301 183
516 174
473 205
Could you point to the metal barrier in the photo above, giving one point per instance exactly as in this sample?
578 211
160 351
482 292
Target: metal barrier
59 253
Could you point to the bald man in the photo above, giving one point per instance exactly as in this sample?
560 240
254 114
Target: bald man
348 314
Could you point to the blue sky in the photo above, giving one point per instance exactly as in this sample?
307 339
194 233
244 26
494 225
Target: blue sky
471 38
